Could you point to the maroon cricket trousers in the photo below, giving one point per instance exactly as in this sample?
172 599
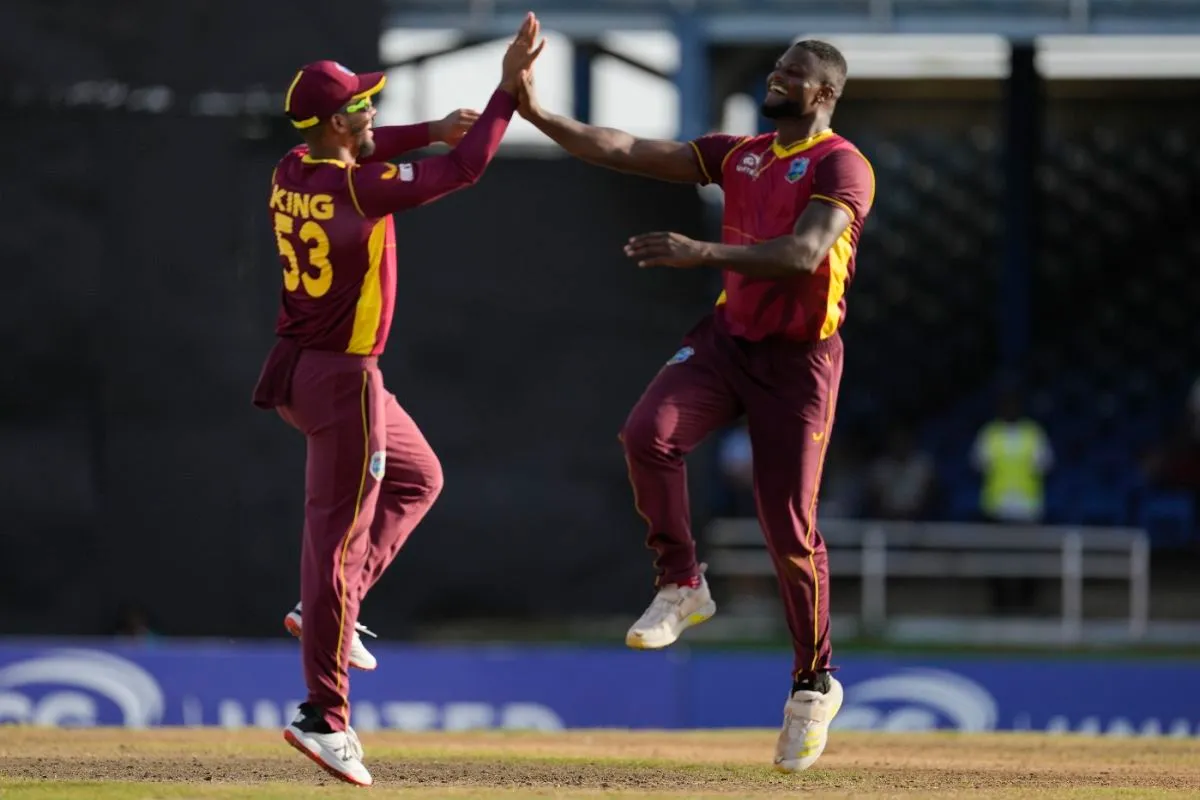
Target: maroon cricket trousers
370 478
788 393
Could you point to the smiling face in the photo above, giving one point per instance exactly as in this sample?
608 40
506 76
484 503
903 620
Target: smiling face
803 84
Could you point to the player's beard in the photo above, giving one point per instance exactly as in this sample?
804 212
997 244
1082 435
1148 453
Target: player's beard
788 109
366 146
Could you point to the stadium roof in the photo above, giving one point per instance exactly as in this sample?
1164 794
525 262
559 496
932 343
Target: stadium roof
766 21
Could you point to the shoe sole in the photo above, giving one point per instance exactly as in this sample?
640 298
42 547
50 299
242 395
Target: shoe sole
294 629
702 614
295 742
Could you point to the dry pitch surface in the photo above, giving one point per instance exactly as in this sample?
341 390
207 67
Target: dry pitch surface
107 764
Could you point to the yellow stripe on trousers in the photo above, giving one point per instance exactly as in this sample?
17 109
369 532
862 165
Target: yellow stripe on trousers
362 485
830 402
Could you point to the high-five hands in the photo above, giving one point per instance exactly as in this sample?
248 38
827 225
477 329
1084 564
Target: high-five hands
527 102
521 54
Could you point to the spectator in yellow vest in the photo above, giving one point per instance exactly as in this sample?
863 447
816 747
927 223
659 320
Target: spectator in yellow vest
1012 454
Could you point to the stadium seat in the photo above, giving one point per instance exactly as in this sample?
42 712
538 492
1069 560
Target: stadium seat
1169 517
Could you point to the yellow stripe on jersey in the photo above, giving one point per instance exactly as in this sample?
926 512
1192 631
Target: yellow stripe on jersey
370 300
839 267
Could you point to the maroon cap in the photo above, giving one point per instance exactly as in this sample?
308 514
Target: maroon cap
322 88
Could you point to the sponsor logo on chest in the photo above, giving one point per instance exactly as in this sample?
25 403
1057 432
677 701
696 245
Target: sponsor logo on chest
755 164
750 164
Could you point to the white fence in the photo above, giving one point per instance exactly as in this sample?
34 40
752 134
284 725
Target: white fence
876 551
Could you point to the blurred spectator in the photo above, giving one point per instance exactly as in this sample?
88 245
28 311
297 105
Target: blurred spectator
842 483
737 472
1013 455
1175 462
901 482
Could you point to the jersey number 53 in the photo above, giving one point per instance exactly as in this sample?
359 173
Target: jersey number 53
316 273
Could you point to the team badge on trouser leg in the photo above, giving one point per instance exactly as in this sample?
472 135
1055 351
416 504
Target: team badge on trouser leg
805 733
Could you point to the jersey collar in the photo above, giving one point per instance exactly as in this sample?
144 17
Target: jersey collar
307 159
798 147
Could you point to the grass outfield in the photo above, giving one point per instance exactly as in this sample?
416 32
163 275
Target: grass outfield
112 764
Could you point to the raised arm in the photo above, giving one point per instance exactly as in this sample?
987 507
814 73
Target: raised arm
379 189
621 151
612 148
393 141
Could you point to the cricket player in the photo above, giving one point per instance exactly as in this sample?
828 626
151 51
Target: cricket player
795 204
371 476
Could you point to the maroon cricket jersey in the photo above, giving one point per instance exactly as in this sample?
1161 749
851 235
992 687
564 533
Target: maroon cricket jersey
336 237
767 186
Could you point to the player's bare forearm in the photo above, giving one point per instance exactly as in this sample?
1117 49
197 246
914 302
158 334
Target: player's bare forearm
620 151
802 252
603 147
776 258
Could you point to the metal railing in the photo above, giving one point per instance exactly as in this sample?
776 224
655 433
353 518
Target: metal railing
876 551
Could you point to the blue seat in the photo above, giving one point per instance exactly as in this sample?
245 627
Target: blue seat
964 503
1169 517
1063 495
1101 505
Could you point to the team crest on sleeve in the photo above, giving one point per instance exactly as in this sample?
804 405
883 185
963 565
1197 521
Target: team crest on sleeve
683 354
378 464
797 169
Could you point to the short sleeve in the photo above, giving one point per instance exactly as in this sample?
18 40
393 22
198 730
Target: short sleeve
845 179
711 151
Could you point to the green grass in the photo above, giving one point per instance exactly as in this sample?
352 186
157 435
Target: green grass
103 790
100 764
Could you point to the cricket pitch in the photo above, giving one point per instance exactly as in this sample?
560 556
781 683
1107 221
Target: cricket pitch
116 764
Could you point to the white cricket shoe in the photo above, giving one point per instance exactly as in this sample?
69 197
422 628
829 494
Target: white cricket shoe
673 610
806 718
339 753
360 656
